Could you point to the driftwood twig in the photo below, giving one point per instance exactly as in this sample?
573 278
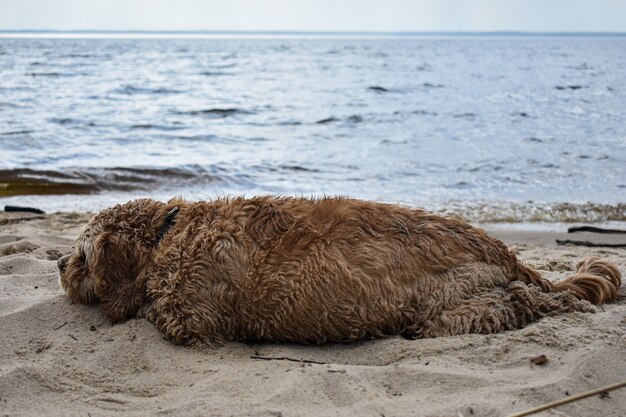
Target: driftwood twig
58 327
284 358
590 244
19 209
594 230
569 399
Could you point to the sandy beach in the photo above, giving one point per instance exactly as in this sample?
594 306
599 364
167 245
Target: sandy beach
57 358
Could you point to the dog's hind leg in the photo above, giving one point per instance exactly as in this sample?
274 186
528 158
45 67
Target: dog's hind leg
485 312
481 298
500 309
468 299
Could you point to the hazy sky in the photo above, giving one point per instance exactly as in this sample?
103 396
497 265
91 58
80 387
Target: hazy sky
317 15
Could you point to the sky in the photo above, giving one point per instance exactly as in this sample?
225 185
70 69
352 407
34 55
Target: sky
316 15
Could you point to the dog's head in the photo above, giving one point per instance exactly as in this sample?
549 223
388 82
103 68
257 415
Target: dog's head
111 255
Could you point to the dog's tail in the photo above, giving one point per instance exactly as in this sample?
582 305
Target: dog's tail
595 280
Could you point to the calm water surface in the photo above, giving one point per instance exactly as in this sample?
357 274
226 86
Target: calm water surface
491 128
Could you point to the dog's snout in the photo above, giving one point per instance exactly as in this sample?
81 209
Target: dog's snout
62 262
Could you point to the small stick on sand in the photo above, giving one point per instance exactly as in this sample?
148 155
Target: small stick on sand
569 399
284 358
58 327
590 244
20 219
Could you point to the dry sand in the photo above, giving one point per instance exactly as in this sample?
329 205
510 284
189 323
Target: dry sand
62 359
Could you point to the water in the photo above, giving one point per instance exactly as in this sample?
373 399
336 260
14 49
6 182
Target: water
490 128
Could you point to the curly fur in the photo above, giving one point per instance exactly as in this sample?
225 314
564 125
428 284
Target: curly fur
312 271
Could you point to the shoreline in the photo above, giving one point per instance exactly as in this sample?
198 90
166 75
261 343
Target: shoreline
493 214
57 358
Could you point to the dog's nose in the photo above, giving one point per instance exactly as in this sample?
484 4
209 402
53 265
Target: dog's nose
62 262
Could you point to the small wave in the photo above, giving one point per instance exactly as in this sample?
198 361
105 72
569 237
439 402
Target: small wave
513 212
533 140
284 167
215 73
26 181
420 112
298 168
200 138
378 89
582 67
85 56
129 90
215 112
461 185
430 85
395 142
468 115
31 182
46 74
17 132
289 123
534 162
64 120
355 118
570 87
156 127
327 120
224 66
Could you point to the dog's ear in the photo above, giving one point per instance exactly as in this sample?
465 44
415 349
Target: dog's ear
167 222
121 285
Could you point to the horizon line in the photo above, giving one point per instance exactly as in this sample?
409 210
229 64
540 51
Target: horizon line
307 32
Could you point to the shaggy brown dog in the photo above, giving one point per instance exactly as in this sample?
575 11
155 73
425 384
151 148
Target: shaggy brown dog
311 271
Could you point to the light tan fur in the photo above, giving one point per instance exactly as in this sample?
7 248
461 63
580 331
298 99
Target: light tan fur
311 271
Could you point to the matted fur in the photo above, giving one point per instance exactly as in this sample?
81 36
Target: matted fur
312 270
